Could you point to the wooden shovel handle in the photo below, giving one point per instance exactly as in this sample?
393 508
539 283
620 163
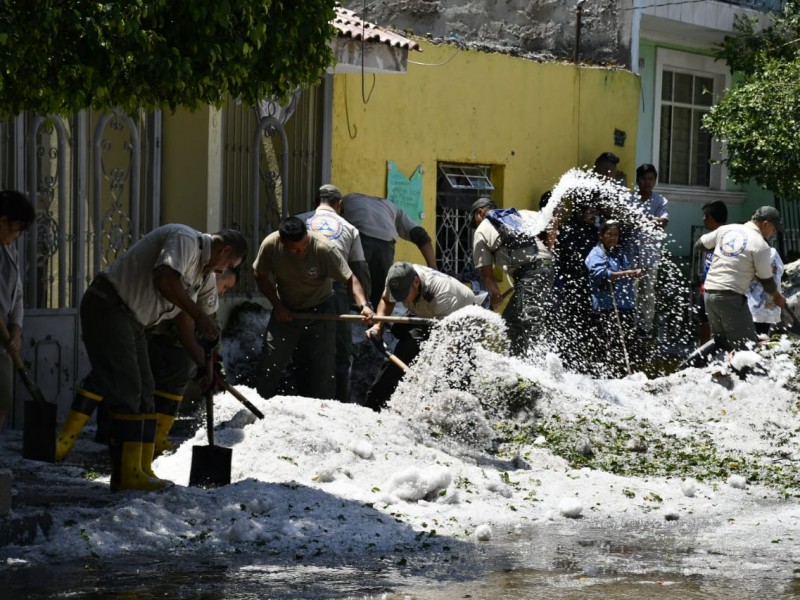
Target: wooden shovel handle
378 342
5 337
359 318
240 397
29 383
210 402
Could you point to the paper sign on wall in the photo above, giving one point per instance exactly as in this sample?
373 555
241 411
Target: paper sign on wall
404 192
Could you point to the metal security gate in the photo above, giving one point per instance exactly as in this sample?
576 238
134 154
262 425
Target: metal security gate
789 242
272 164
457 187
86 177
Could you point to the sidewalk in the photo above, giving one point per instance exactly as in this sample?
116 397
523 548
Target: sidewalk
38 487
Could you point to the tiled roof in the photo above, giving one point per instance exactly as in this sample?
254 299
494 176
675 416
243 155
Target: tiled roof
348 24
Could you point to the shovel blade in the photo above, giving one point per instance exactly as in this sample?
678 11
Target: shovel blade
39 432
211 466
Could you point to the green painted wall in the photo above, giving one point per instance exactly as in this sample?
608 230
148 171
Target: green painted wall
683 214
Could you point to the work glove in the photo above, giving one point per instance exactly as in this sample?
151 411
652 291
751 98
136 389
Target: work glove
218 375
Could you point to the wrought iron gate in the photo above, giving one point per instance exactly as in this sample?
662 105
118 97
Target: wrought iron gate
272 164
789 242
457 187
85 176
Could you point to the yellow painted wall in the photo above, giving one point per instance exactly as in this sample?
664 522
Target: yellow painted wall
533 120
191 185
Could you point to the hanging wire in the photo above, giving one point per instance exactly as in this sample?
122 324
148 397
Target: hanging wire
441 64
354 132
364 96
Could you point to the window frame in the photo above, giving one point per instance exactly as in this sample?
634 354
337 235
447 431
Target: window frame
696 65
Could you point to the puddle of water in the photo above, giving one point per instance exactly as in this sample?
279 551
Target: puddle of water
532 563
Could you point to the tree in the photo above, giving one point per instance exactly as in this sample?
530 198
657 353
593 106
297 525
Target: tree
58 56
758 118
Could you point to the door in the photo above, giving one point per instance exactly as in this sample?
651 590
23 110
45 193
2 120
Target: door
85 176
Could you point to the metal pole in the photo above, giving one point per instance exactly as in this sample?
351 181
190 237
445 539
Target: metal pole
578 16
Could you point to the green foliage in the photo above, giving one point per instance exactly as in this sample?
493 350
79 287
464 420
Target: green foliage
758 123
61 56
637 448
748 49
758 117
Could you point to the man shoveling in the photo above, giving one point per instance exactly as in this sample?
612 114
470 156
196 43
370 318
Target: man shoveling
425 292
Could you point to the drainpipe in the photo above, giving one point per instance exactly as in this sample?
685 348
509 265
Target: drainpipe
578 16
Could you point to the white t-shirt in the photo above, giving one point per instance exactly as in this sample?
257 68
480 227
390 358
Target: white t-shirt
326 222
762 307
11 307
177 246
741 254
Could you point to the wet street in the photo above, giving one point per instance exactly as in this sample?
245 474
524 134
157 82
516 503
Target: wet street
542 562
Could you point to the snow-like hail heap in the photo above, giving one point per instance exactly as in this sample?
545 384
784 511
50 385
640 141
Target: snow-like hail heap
473 442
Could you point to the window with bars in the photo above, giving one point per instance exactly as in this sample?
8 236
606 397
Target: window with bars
686 86
457 187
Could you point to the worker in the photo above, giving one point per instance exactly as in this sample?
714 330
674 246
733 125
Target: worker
161 276
381 223
426 293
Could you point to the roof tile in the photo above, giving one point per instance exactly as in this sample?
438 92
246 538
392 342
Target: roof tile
348 24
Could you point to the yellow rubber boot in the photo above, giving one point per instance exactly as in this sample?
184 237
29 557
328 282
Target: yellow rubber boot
166 410
148 444
83 406
125 448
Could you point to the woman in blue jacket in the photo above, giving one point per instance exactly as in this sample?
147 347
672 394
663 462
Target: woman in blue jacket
613 300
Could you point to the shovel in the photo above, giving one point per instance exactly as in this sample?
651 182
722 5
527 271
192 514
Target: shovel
794 324
360 319
381 346
700 356
211 465
240 397
39 426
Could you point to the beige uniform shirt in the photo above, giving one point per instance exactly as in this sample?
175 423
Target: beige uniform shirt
487 249
336 230
207 298
741 254
440 294
302 282
179 247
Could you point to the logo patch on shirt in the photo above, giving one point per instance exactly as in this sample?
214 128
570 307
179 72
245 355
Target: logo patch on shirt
312 273
330 227
733 243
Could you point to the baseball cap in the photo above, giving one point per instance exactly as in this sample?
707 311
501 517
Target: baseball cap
771 214
476 206
330 191
399 280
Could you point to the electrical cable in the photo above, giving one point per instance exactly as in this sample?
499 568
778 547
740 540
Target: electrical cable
441 64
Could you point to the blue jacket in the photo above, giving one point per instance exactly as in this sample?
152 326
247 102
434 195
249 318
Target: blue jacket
600 265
